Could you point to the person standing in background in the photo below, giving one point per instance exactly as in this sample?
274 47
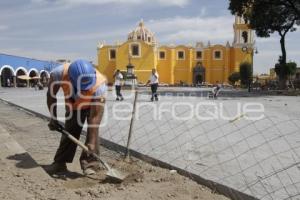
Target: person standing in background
153 80
8 82
118 84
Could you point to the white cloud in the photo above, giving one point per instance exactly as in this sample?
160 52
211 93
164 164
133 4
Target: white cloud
3 27
267 40
193 29
174 2
169 30
101 2
203 11
73 37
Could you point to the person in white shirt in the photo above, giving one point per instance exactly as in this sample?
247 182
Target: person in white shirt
153 80
8 82
118 84
216 90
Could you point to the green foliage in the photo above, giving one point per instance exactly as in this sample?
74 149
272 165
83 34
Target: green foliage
241 7
284 70
280 70
269 16
291 68
234 77
245 73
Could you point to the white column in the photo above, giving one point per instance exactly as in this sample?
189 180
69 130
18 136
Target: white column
15 81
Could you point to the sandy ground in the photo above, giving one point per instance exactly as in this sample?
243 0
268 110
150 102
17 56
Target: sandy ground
21 175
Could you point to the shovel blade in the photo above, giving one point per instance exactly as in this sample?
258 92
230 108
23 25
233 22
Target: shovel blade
116 175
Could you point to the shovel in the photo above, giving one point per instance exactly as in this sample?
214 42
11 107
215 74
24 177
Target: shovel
113 174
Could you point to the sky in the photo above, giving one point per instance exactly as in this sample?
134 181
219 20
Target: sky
71 29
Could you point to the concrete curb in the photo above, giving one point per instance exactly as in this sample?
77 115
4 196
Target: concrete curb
17 157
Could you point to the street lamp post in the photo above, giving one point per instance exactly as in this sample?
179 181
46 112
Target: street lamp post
130 70
250 51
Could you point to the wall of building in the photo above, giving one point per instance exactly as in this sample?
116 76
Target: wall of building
165 67
26 63
182 67
106 65
13 66
143 64
173 70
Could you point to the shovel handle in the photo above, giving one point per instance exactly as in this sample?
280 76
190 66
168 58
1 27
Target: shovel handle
85 148
71 137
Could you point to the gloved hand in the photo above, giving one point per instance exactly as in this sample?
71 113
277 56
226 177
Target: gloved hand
54 125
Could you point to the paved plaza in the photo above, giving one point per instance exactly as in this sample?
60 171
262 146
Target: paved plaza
256 153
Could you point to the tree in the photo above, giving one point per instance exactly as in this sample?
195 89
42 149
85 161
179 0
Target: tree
240 7
234 77
246 74
288 70
291 68
267 17
291 71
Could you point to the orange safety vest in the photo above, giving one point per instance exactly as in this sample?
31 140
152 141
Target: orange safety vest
84 99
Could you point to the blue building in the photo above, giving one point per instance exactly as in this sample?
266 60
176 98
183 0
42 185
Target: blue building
20 71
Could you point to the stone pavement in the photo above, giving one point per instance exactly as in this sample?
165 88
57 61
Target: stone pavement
17 163
259 157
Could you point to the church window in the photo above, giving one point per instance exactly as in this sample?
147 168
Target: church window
217 55
245 36
180 55
162 55
198 55
112 54
149 39
135 50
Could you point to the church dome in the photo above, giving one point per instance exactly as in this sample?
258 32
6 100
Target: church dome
142 33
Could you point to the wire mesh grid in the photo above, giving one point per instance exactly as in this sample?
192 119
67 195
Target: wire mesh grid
256 157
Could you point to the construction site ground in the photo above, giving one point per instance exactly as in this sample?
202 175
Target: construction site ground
27 147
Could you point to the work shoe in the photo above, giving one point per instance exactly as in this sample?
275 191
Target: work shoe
89 171
156 98
56 168
117 99
152 99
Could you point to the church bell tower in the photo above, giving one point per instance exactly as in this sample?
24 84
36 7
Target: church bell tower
243 34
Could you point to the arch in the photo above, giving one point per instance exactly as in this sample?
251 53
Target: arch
19 72
21 68
33 73
44 77
35 70
9 67
46 72
7 74
199 79
199 73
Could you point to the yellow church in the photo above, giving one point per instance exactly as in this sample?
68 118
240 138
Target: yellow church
178 64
